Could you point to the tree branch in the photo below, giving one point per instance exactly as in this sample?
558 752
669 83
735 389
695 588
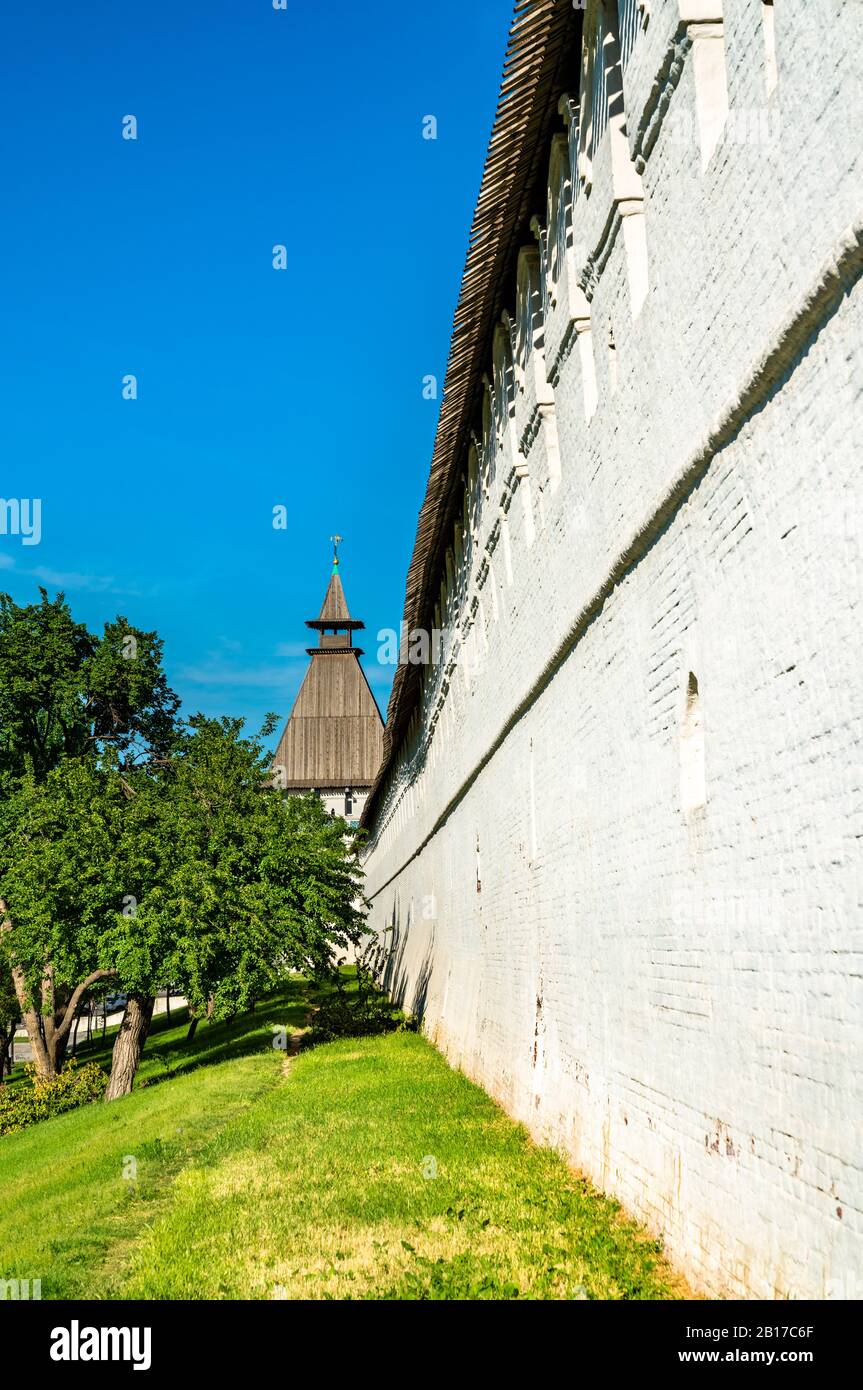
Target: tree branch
76 998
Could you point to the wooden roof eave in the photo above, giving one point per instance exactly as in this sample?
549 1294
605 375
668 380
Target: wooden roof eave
545 35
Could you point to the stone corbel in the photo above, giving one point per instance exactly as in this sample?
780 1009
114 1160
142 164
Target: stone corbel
473 496
559 161
583 163
507 495
541 235
705 28
581 322
529 269
568 108
509 324
489 444
488 387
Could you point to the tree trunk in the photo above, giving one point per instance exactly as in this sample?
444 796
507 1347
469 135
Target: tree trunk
193 1025
5 1046
31 1021
130 1044
67 1002
48 1033
54 1031
55 1045
29 1015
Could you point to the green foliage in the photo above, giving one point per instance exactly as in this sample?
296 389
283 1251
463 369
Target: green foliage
198 872
42 1100
355 1010
78 713
65 869
261 883
66 693
141 849
43 656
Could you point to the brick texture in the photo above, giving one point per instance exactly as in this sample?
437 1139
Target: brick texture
668 987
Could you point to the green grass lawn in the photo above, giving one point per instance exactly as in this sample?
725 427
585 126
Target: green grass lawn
364 1168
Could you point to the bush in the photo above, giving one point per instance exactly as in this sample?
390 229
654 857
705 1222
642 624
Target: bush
41 1100
355 1014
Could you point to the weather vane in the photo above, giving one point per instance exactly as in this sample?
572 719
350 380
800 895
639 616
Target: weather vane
336 540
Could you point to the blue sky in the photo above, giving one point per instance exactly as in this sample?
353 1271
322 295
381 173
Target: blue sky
256 387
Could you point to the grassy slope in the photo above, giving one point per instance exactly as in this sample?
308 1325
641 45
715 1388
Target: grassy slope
307 1178
67 1214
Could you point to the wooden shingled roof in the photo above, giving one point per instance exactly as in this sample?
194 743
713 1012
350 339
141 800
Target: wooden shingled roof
542 61
334 609
334 736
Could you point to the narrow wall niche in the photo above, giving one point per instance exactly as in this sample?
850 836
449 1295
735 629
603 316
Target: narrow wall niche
771 70
588 368
693 785
612 360
532 807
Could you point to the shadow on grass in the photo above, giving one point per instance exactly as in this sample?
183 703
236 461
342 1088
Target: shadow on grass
220 1042
289 1007
213 1042
99 1050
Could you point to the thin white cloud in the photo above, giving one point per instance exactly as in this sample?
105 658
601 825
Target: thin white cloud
217 673
70 579
293 648
73 579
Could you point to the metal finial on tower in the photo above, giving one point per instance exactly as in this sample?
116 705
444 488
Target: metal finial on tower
336 540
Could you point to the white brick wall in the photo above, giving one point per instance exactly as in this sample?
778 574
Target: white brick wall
672 997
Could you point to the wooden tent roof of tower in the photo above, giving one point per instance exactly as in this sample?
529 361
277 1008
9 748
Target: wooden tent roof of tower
334 609
334 736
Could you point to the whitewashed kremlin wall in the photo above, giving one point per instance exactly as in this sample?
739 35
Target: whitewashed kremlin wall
630 911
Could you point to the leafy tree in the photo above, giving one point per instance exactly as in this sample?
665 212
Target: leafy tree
258 884
196 870
140 850
66 878
67 693
66 697
43 655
